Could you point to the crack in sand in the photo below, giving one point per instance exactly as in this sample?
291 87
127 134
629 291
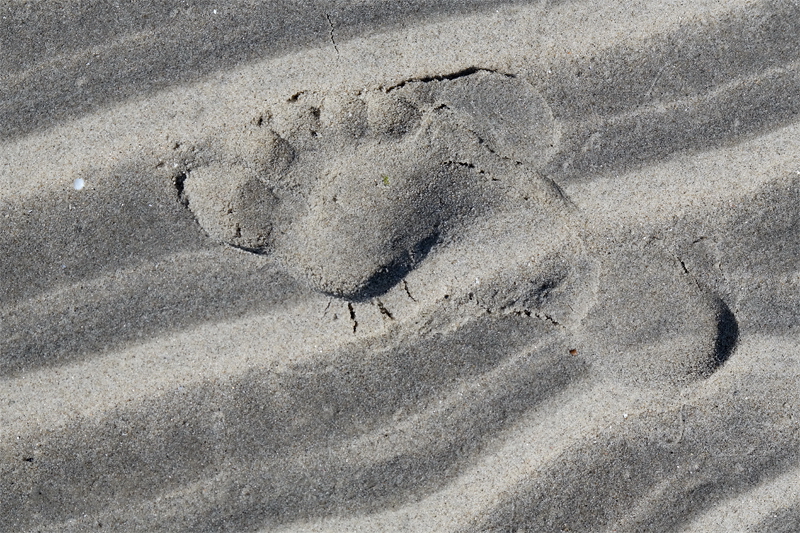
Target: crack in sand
352 316
382 308
547 318
449 77
333 41
408 292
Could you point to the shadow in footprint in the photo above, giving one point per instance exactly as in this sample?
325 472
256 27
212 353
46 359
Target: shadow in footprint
389 276
758 252
727 336
653 324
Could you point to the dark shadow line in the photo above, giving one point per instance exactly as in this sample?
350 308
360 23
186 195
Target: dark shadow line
630 141
91 317
126 215
387 277
727 336
690 61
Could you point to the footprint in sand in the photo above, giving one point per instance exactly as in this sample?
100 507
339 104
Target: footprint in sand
351 191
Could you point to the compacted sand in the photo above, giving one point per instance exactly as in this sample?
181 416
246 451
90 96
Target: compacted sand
400 266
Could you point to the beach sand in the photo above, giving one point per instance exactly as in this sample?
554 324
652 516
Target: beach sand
400 266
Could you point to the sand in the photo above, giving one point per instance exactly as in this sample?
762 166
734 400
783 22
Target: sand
400 266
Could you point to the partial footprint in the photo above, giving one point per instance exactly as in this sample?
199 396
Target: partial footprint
351 191
234 187
653 324
233 206
405 168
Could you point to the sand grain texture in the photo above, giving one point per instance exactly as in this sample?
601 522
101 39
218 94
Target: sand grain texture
420 266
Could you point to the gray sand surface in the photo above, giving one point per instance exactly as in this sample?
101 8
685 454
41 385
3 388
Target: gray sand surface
400 266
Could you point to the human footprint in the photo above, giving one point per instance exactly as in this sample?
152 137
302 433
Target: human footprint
350 191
